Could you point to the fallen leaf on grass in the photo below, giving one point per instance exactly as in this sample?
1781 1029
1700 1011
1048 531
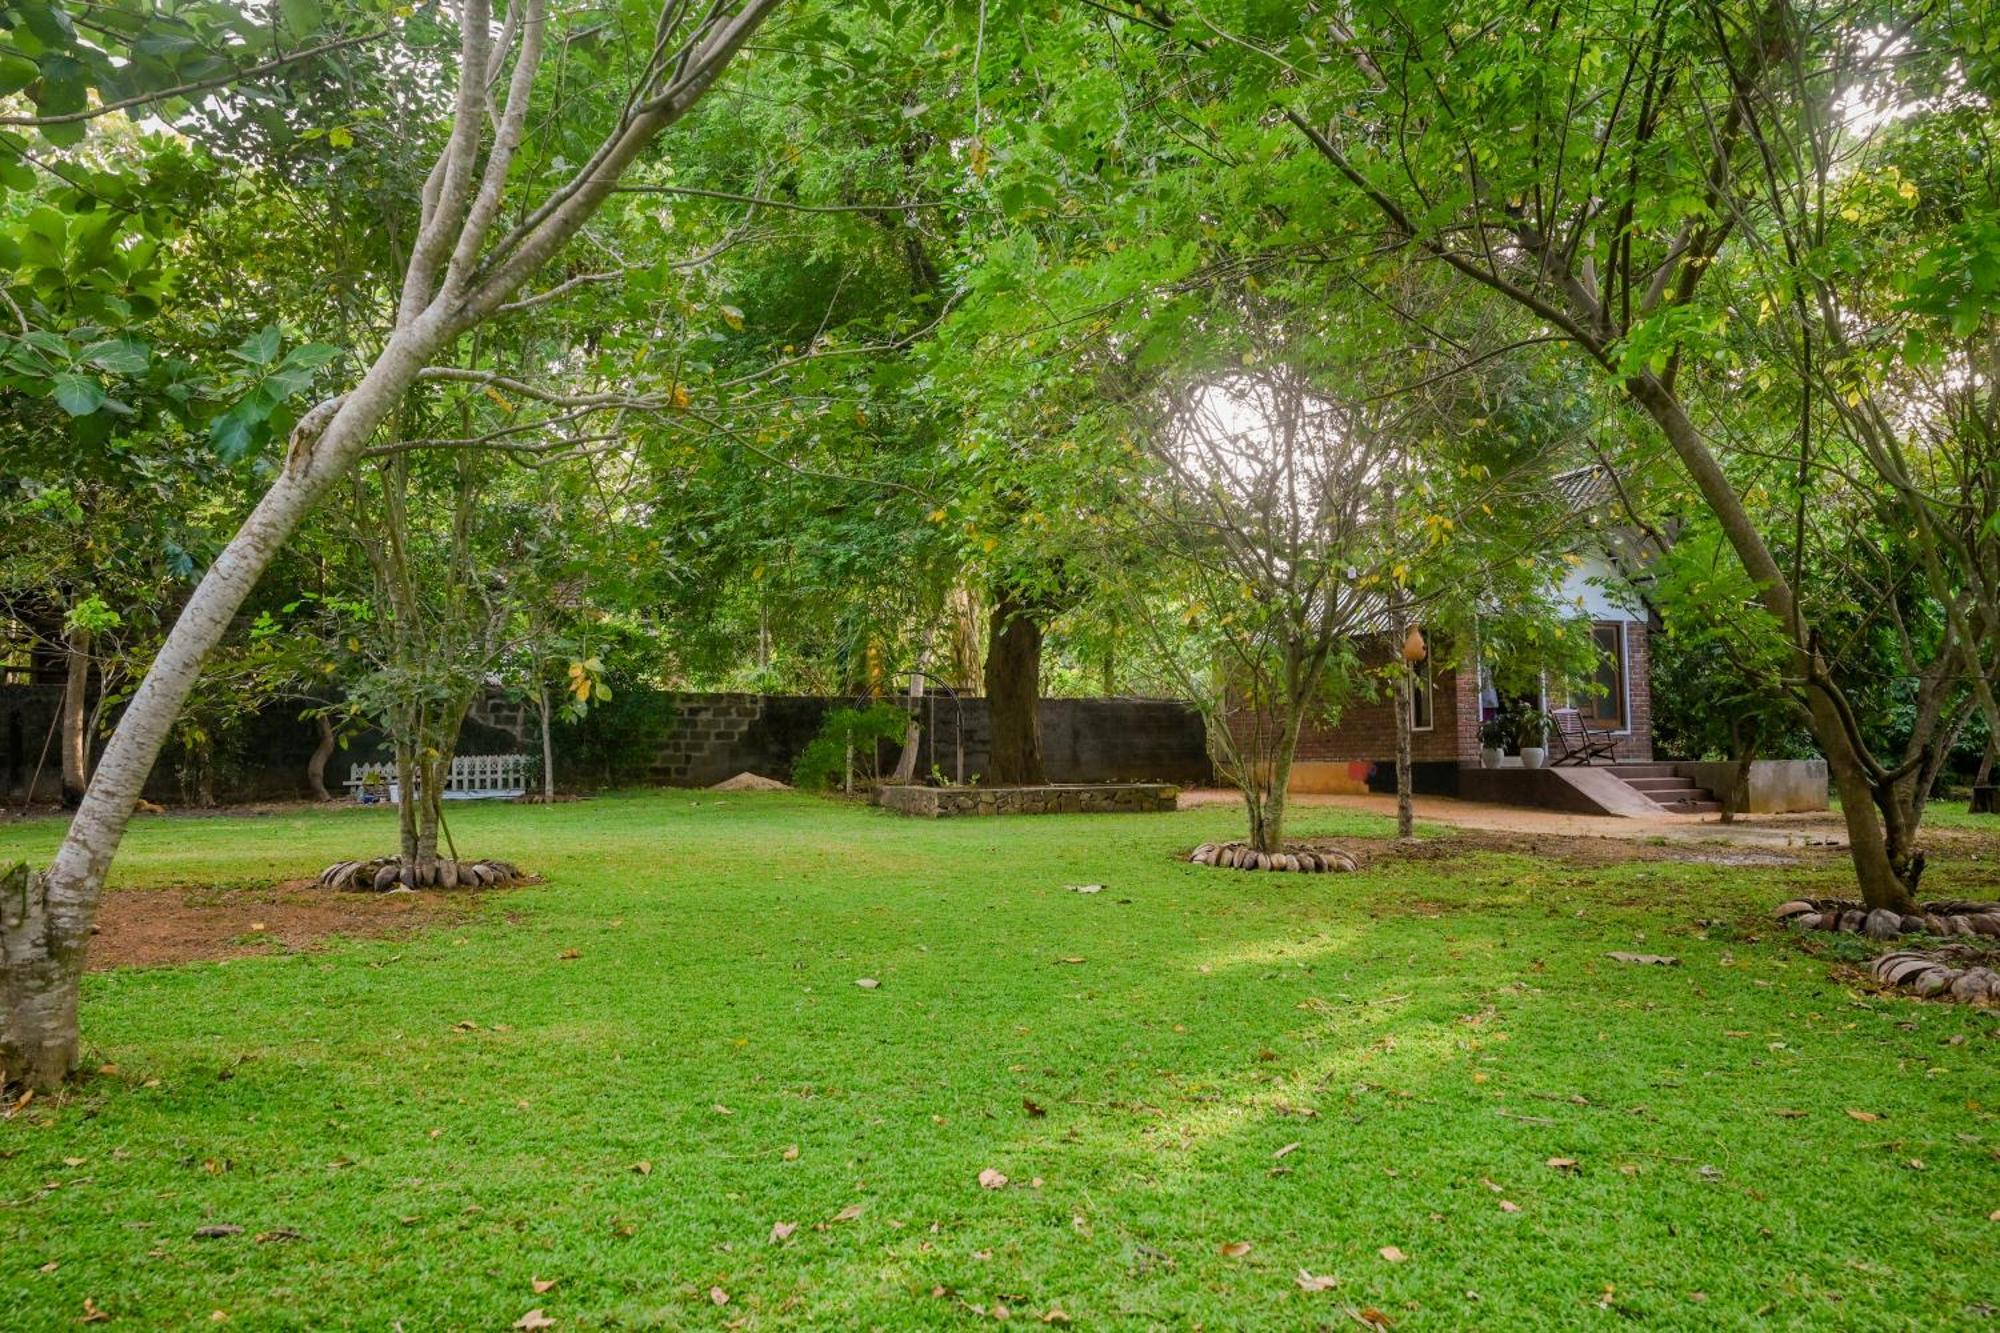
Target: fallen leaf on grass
1865 1117
1320 1282
867 983
642 1168
782 1231
849 1213
49 1267
1370 1316
989 1179
277 1234
1033 1107
568 955
1233 1249
1509 1206
1648 959
718 1295
219 1231
534 1319
791 1152
1561 1163
93 1315
720 1109
1055 1314
541 1284
1285 1151
465 1025
1086 888
1069 960
75 1161
1392 1254
1786 1113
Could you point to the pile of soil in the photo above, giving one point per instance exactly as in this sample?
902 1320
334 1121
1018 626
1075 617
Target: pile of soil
750 782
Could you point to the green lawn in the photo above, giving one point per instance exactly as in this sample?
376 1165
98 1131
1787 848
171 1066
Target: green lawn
1428 1033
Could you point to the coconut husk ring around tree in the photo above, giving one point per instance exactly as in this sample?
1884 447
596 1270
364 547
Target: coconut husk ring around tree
1944 918
1297 860
385 874
1953 972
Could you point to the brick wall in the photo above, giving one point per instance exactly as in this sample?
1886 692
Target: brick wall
1366 729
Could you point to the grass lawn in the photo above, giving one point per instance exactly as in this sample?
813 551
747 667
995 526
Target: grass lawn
1320 1066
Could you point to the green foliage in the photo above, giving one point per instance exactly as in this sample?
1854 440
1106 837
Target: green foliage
847 733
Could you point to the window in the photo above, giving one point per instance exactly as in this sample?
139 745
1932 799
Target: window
1604 707
1420 695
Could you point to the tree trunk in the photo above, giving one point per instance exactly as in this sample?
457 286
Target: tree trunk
548 753
1405 810
1266 786
323 447
75 732
38 993
316 766
1013 693
906 763
1881 858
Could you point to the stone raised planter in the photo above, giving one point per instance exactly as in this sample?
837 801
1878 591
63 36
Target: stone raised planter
1120 798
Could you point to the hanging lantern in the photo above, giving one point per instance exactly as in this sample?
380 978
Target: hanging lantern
1414 648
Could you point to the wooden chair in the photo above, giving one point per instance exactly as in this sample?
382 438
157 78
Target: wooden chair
1580 744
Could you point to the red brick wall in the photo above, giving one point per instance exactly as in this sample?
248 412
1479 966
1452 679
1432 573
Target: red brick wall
1367 728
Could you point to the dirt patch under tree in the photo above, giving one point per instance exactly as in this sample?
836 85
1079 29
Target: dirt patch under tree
160 927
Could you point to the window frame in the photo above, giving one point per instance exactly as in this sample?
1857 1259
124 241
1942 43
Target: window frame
1586 706
1427 689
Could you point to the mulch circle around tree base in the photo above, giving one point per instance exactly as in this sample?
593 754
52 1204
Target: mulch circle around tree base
1298 860
385 874
1947 917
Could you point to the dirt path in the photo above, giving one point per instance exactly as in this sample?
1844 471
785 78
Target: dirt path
1765 831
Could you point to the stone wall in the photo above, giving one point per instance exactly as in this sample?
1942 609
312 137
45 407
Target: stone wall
1136 798
717 736
711 737
27 712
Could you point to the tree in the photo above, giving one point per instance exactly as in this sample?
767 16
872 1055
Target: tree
1703 195
470 254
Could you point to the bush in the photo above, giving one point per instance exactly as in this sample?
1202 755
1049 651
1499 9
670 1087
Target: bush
823 763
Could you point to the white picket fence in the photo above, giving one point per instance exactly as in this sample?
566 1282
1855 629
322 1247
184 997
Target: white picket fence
474 777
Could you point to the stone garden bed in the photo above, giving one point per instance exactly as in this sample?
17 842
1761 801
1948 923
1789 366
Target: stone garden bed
1108 798
1293 859
385 874
1947 917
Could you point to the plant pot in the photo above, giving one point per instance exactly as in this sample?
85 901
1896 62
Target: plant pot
1533 756
1491 758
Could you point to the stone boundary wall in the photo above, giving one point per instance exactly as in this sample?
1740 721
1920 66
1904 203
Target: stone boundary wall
717 736
1137 798
711 737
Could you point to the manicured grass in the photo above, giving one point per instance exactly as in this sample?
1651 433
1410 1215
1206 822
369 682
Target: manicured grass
445 1117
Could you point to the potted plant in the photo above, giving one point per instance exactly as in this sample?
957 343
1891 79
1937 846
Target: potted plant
1494 734
1531 729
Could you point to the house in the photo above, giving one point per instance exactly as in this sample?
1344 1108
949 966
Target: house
1606 583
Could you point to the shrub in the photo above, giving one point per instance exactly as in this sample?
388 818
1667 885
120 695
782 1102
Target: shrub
823 762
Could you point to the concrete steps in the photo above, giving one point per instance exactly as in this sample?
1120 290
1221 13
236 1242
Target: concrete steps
1659 784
